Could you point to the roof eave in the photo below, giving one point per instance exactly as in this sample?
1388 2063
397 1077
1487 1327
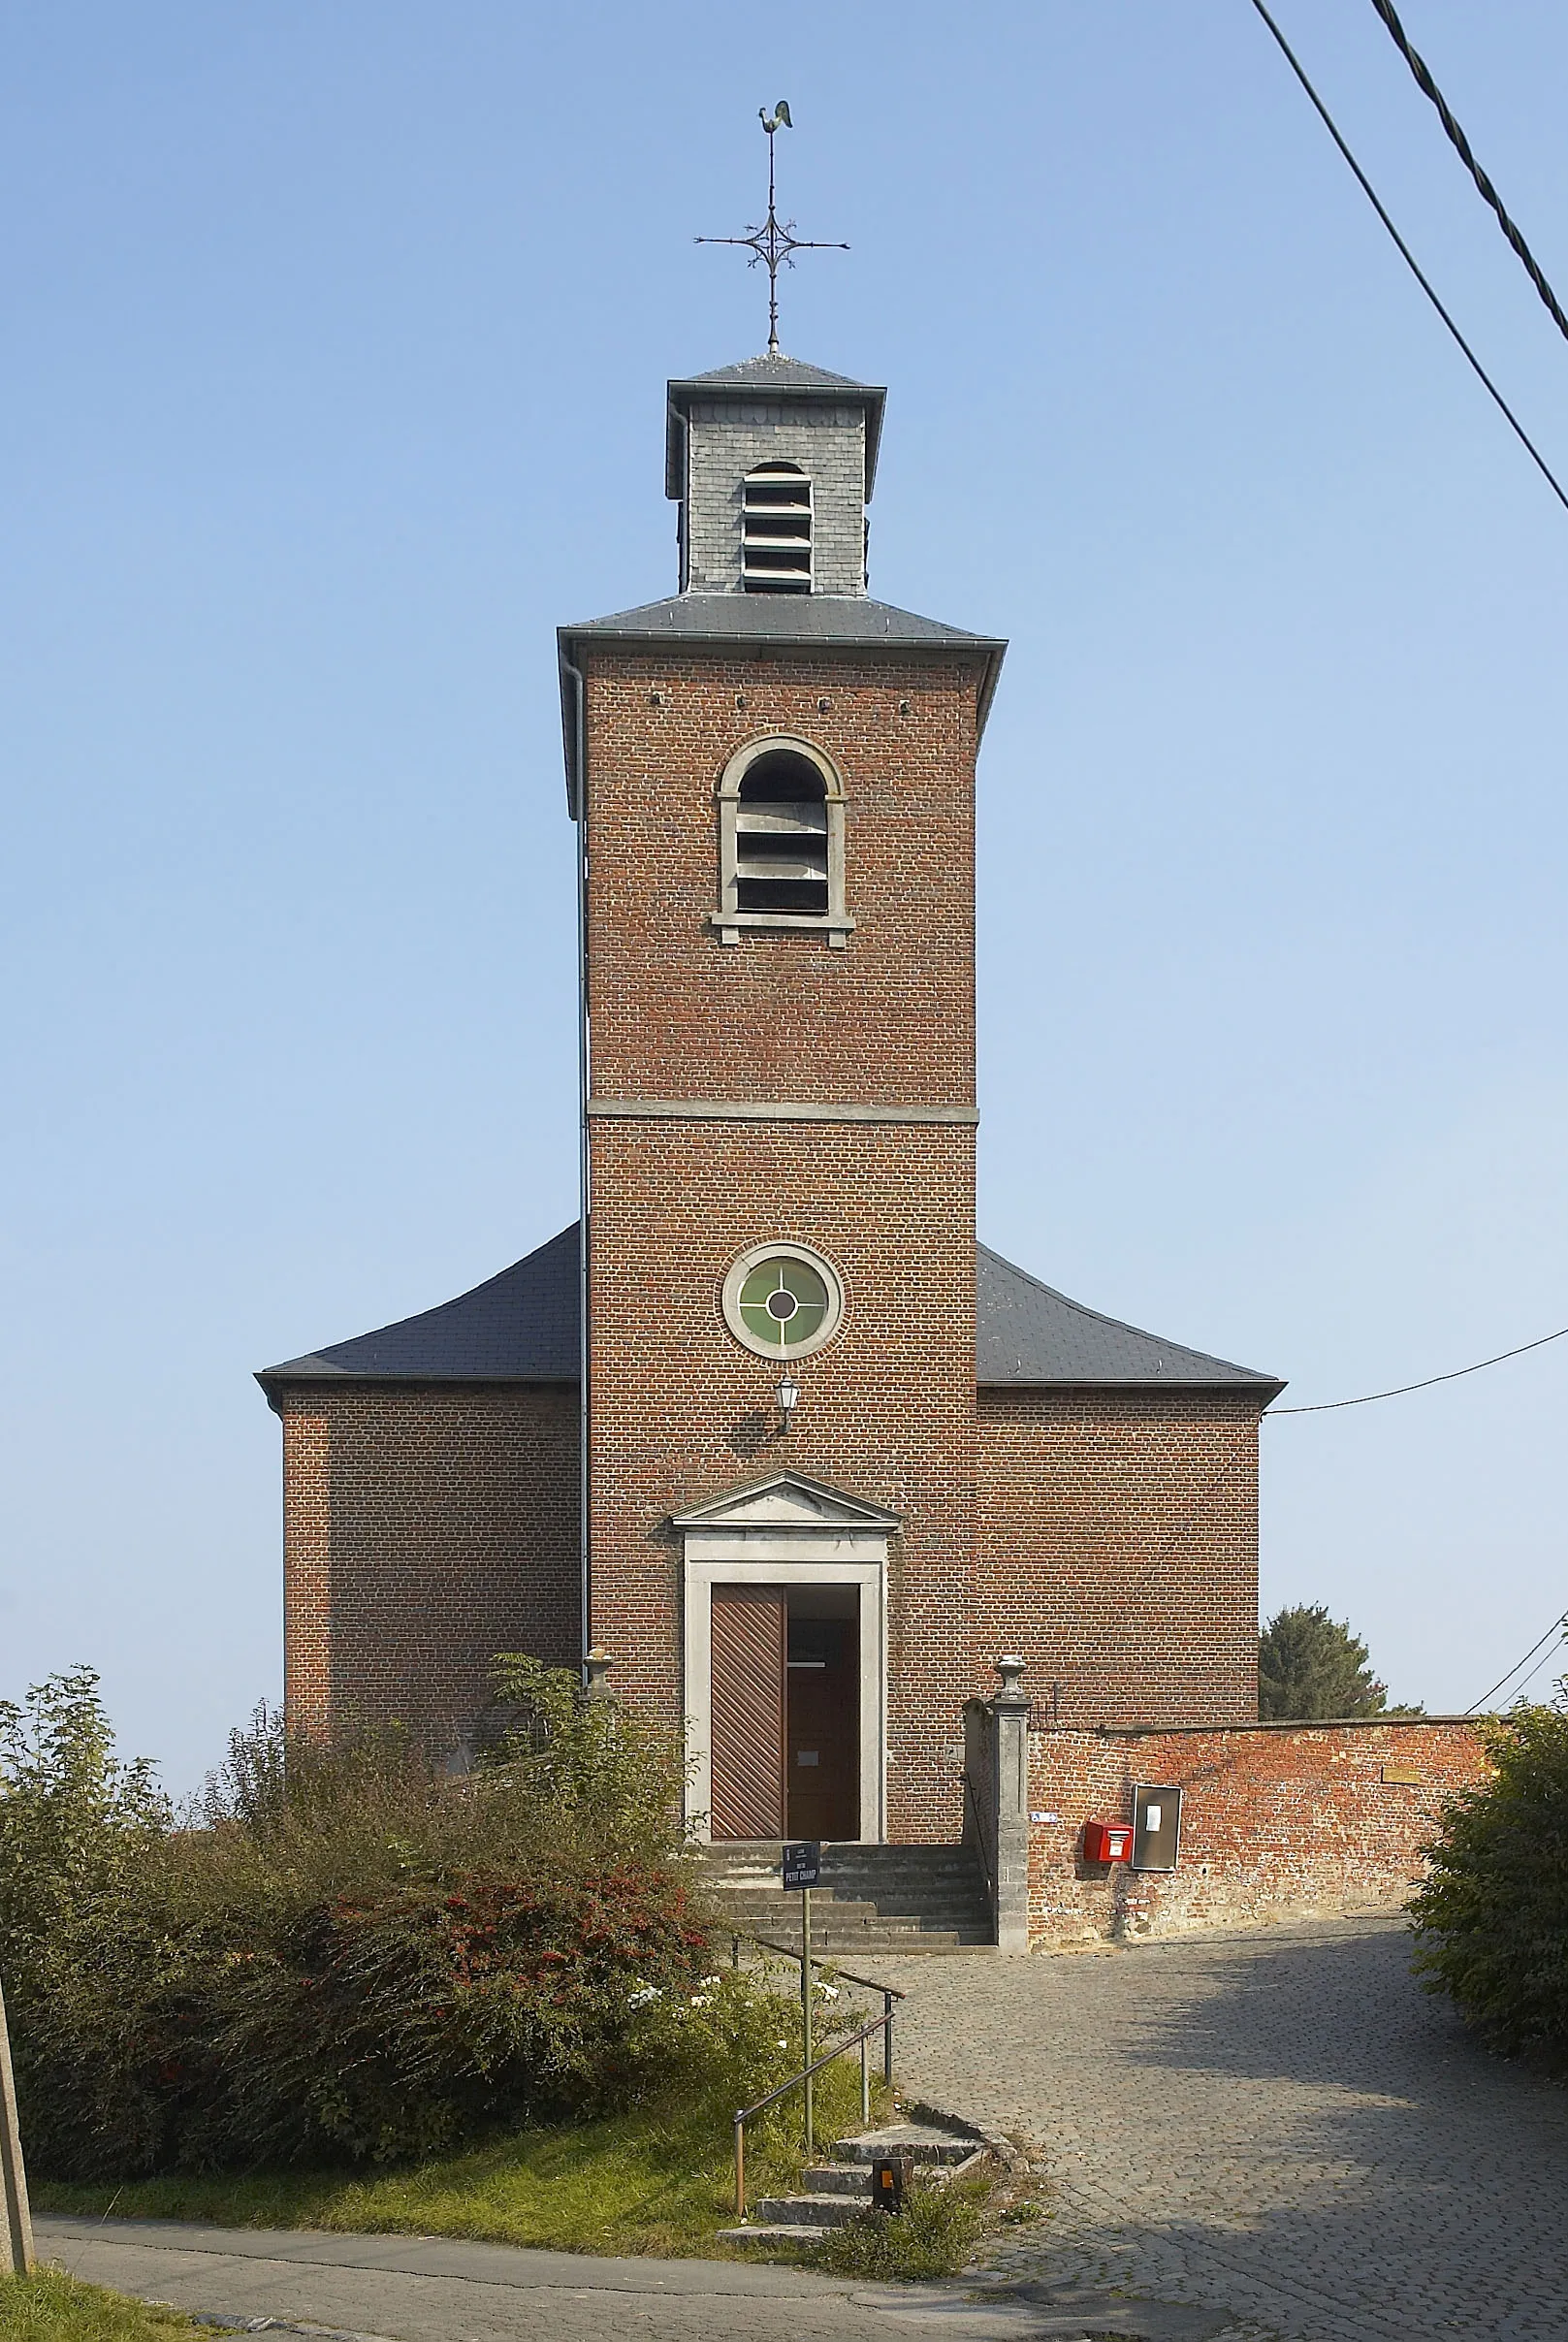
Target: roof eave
991 648
1264 1391
320 1373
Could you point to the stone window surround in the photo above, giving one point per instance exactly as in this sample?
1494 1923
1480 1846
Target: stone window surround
726 922
788 1250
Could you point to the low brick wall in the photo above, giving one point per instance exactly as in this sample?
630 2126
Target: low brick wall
1279 1822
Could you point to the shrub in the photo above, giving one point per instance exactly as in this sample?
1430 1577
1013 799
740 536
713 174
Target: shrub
1491 1918
73 1819
932 2236
342 1953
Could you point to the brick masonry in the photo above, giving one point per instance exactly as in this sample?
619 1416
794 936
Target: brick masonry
425 1530
1277 1824
1109 1537
1112 1538
680 1410
1118 1551
677 1014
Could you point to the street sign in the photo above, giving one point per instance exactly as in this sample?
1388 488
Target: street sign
803 1863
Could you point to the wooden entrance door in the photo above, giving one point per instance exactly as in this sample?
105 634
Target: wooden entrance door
749 1640
822 1733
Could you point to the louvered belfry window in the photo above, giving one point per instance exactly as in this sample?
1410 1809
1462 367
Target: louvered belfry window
775 531
780 842
781 836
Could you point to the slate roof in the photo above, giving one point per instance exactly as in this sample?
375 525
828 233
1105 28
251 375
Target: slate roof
774 375
1029 1333
773 371
523 1327
517 1327
787 618
814 621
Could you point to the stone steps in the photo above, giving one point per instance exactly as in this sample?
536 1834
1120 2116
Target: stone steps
870 1898
831 2193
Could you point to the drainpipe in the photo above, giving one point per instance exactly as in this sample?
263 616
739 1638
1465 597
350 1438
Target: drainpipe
579 734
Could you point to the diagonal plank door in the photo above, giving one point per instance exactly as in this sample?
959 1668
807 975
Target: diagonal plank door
748 1646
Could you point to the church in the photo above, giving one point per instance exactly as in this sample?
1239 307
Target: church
768 1436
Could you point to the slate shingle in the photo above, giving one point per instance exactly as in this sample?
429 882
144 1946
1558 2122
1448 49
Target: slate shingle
523 1327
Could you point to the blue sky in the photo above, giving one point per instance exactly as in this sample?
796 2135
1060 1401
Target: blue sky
337 344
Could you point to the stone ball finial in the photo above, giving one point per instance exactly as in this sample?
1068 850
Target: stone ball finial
597 1665
1009 1669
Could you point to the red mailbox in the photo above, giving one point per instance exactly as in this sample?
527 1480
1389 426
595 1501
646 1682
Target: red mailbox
1108 1842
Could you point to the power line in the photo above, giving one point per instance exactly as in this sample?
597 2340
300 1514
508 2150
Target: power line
1329 1406
1556 1626
1461 147
1525 1681
1413 263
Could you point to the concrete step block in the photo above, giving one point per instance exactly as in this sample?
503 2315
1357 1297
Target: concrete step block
922 2141
839 2179
772 2232
807 2211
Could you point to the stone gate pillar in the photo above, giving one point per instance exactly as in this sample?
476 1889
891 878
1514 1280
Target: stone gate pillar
1010 1709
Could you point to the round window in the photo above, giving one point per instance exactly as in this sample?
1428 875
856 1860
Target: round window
783 1300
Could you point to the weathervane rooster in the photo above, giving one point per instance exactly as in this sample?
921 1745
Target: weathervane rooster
773 241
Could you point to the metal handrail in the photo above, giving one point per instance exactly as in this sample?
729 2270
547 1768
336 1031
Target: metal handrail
889 1992
974 1804
742 2114
872 1983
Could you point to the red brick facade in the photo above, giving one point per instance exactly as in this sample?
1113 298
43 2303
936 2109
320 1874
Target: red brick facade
680 1411
757 1083
424 1530
1277 1822
1118 1551
678 1014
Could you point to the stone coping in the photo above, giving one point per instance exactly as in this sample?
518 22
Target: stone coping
1284 1724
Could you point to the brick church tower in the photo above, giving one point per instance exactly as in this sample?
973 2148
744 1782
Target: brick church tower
834 1456
775 778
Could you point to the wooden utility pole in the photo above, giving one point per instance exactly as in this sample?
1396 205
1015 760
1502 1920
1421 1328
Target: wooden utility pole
16 2228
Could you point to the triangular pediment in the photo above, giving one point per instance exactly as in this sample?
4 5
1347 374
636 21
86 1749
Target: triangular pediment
787 1501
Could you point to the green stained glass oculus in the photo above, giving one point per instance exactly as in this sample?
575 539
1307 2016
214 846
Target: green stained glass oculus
782 1303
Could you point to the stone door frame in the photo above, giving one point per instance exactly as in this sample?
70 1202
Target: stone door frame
795 1534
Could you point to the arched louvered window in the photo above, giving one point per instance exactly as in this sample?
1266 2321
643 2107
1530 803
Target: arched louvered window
775 529
780 805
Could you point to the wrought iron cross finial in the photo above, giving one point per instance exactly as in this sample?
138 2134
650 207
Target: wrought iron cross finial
773 241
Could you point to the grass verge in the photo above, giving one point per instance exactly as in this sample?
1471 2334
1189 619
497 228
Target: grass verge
48 2306
657 2181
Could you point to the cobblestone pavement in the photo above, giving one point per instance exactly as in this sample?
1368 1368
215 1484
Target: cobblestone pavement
1280 2125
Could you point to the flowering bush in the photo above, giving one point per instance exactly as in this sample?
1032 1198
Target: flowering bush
343 1954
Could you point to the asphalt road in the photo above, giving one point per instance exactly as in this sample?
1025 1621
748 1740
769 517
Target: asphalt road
412 2289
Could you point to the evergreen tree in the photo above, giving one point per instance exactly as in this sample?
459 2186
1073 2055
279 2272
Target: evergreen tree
1310 1667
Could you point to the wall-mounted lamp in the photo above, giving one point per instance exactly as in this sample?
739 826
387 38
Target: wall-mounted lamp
787 1395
